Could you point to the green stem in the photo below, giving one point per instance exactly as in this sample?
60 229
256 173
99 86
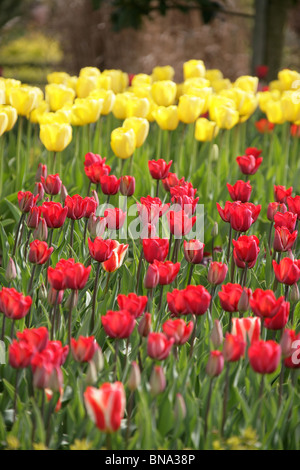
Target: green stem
208 407
225 399
19 178
2 141
95 296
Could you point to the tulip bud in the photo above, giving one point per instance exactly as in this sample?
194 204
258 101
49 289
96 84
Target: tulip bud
52 296
56 380
41 232
157 380
152 277
243 304
91 375
72 300
127 185
134 377
39 191
180 408
215 230
41 171
43 291
63 193
11 272
95 196
98 359
96 226
215 364
144 327
294 295
216 335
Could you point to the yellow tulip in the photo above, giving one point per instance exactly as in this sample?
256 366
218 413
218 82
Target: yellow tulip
290 106
287 78
222 84
246 102
203 93
56 137
193 68
24 99
274 112
2 92
152 110
164 92
89 72
9 84
123 142
265 96
196 82
72 82
11 114
247 83
141 91
165 72
119 106
87 110
119 80
3 122
213 74
189 108
140 127
167 117
226 117
104 81
276 85
138 107
85 84
60 78
205 130
58 95
108 98
179 90
141 79
36 113
219 100
60 117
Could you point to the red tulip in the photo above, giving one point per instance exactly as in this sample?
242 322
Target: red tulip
56 276
118 324
56 352
157 380
96 225
184 189
127 185
101 249
150 209
255 210
13 304
179 222
187 203
106 405
76 207
144 327
177 303
159 169
287 271
246 328
288 220
278 321
225 213
167 271
95 167
41 171
52 184
135 304
264 303
39 253
287 341
155 248
264 126
159 346
241 218
233 348
178 330
115 218
76 275
245 251
117 257
197 299
281 193
39 191
250 162
193 251
264 356
215 364
151 278
230 296
284 239
240 191
294 205
34 216
54 214
26 201
84 348
295 130
110 184
217 272
170 181
36 337
274 207
90 206
20 354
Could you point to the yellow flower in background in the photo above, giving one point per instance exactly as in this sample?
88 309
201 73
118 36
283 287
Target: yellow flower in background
58 95
165 72
219 100
274 112
3 122
104 82
60 78
203 93
138 107
222 84
87 110
123 142
140 127
290 106
55 137
9 84
141 79
205 130
141 91
164 92
276 85
72 82
213 74
179 90
85 84
62 116
287 78
152 110
89 72
11 114
120 104
189 108
2 92
245 102
226 117
247 83
108 98
167 117
24 99
265 96
119 80
193 68
194 83
36 113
